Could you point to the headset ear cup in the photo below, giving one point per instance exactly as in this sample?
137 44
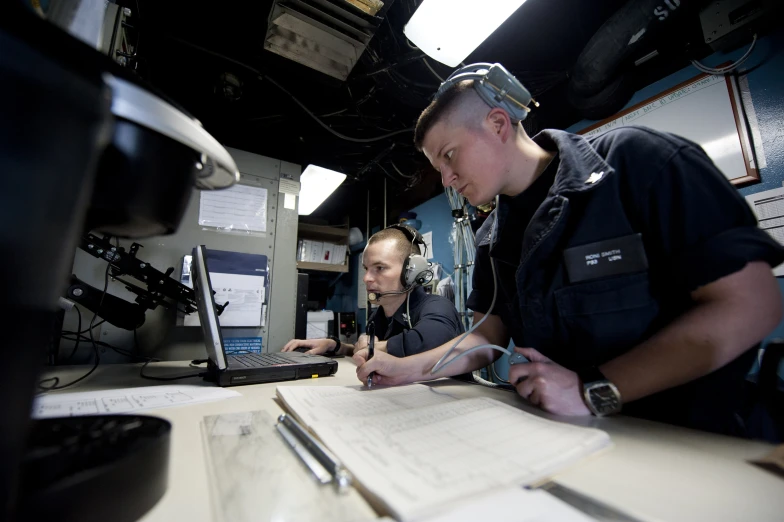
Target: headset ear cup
404 274
418 271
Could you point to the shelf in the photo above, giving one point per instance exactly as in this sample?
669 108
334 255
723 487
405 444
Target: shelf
323 233
325 267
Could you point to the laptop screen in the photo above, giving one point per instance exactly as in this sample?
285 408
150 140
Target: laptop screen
205 303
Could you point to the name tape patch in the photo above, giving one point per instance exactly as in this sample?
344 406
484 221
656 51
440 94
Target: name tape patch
616 256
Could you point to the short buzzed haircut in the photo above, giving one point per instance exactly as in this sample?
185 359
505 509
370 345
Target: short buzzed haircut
439 109
403 246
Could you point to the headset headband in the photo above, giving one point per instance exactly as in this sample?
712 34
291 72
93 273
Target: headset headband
496 86
410 232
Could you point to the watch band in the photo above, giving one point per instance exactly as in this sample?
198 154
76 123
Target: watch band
590 374
336 348
599 394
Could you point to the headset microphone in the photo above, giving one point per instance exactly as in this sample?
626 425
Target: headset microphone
375 296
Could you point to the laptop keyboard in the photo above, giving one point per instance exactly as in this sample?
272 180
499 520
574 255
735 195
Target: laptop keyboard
260 360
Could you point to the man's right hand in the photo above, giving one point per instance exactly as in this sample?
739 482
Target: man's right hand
389 370
315 346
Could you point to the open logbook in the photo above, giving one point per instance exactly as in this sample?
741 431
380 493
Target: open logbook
414 450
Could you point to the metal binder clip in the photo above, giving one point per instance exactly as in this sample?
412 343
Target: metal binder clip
321 462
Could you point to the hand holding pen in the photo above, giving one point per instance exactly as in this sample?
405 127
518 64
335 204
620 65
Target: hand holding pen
371 333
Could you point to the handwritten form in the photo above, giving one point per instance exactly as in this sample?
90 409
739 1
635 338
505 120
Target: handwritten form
125 400
325 403
240 207
416 462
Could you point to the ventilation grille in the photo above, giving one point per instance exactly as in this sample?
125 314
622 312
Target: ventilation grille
326 35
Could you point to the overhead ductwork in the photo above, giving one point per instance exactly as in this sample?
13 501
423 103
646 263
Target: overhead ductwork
600 83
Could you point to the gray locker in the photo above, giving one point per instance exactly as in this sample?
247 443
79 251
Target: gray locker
160 336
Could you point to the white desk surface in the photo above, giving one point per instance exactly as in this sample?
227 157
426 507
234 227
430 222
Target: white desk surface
653 472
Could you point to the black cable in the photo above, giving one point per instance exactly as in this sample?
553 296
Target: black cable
78 329
279 86
175 378
81 336
96 325
407 176
107 345
56 380
330 129
82 332
148 360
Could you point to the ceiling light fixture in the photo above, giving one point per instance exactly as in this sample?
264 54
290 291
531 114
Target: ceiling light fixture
317 185
450 30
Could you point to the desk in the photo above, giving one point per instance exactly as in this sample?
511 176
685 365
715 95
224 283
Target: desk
654 472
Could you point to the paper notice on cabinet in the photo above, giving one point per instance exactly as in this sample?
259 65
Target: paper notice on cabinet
240 207
768 206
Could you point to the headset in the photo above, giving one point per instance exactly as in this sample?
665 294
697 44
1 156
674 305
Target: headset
496 86
417 270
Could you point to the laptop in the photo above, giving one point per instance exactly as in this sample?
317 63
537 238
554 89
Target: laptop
234 370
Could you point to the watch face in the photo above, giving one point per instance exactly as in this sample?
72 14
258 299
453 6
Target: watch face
604 397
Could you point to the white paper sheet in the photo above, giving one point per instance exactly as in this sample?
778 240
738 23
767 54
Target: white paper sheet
326 403
125 400
287 186
418 461
768 206
245 294
428 237
289 201
315 331
240 207
513 505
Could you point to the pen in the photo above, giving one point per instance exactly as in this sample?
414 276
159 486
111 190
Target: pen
371 332
324 459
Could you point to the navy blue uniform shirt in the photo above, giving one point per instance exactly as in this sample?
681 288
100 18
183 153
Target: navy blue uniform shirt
434 320
693 227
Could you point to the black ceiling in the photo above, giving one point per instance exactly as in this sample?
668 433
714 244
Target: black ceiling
184 50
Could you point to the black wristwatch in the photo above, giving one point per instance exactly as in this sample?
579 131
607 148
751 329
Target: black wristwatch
336 348
600 395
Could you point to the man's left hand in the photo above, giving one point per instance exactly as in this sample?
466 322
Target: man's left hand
548 385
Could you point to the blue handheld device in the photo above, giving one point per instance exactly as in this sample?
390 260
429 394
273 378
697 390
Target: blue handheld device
518 358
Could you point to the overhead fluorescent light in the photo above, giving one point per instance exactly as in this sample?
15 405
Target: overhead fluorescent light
450 30
317 184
